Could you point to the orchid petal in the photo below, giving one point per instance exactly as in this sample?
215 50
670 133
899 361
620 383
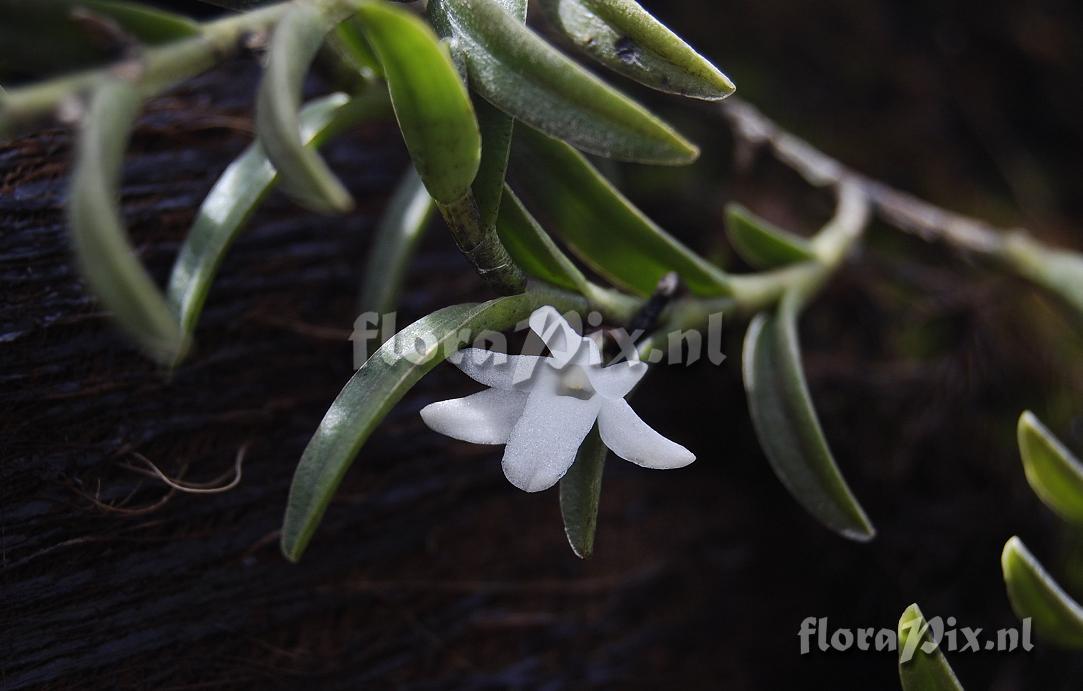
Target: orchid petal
498 370
544 442
565 344
634 440
487 417
616 380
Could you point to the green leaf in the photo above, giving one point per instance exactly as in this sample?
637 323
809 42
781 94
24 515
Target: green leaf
75 39
599 224
532 249
580 493
1054 474
431 102
625 38
517 71
761 244
237 194
786 423
401 227
497 129
1056 617
302 173
922 671
350 43
104 255
373 390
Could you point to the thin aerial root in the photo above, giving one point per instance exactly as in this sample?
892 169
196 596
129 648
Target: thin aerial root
212 487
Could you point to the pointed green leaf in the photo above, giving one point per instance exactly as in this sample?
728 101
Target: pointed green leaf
517 71
240 190
1054 474
627 39
922 671
497 128
302 173
73 39
532 249
1056 617
786 423
761 244
401 228
104 255
366 399
599 224
580 494
431 102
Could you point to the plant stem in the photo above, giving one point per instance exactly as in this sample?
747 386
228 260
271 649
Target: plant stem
482 246
153 70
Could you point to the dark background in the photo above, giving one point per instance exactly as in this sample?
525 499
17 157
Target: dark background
430 571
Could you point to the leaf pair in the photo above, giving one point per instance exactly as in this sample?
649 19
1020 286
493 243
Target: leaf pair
1056 476
429 99
517 71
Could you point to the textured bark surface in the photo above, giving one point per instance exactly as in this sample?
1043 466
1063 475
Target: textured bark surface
430 571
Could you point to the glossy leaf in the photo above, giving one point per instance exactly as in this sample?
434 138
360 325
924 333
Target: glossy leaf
1054 474
1055 616
497 128
787 426
104 255
532 249
580 494
350 43
401 228
302 173
762 244
77 33
625 38
430 100
599 224
239 191
517 71
923 671
380 383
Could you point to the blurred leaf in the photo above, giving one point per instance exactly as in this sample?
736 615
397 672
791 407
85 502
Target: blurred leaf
627 39
431 102
349 41
380 383
580 493
761 244
240 190
1052 471
599 224
400 229
517 71
77 32
785 421
1056 617
923 671
302 173
104 254
1058 271
532 249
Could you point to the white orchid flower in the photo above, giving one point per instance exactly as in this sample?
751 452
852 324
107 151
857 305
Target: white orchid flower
543 407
